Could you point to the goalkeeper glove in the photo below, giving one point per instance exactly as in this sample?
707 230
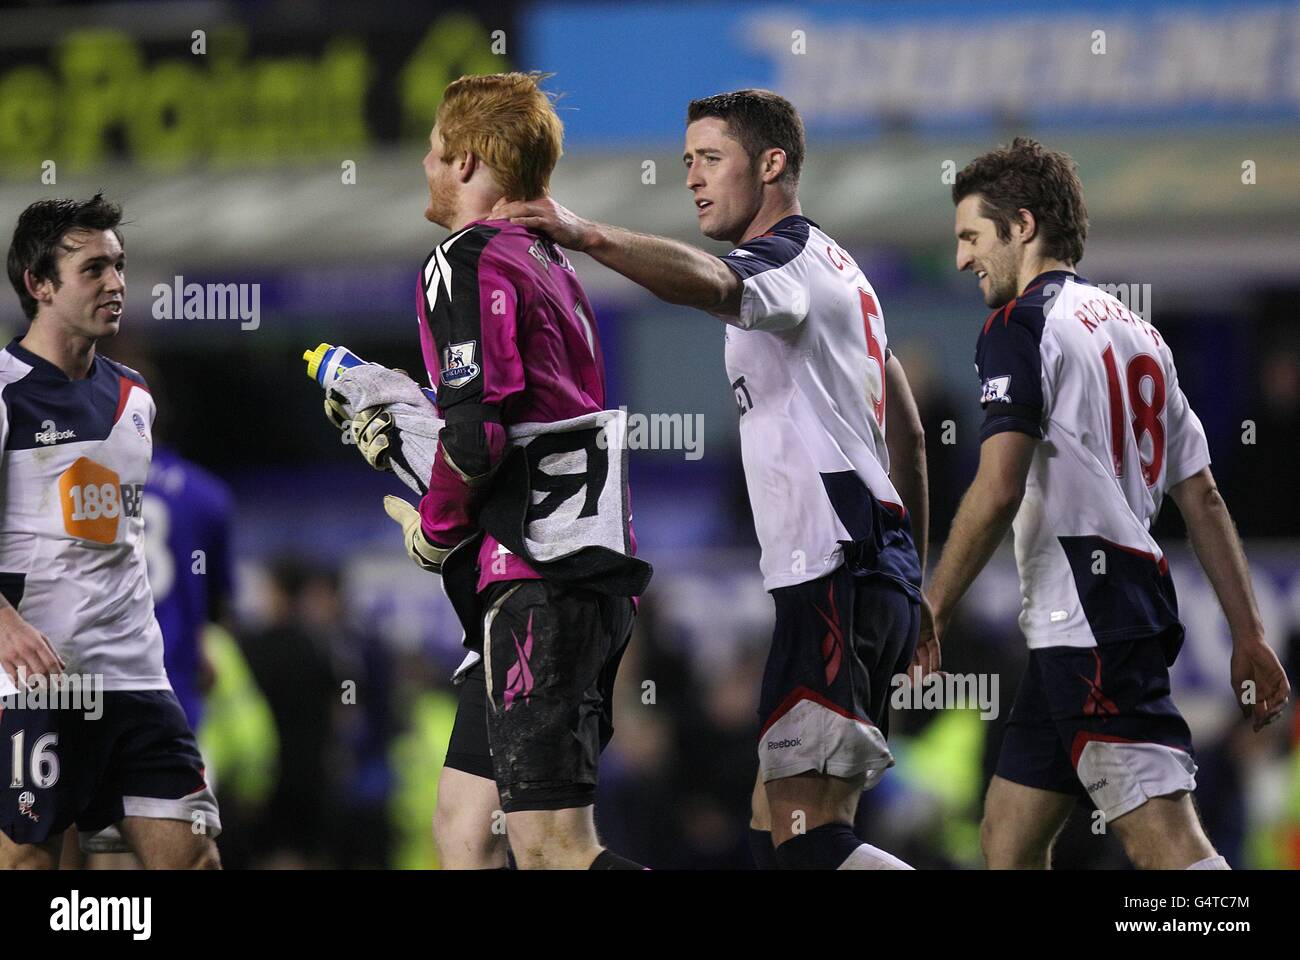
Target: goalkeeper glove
334 410
370 432
427 555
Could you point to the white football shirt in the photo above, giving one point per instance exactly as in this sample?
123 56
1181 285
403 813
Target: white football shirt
806 358
1068 363
76 457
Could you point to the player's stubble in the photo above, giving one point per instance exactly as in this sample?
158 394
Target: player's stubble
1003 275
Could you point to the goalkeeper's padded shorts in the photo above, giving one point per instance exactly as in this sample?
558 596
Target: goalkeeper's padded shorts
536 713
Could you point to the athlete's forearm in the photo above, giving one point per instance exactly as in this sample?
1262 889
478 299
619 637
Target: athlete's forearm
673 271
1218 548
905 438
912 483
982 520
449 509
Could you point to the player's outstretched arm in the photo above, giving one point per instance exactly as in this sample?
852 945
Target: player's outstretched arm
905 438
1255 666
673 271
23 648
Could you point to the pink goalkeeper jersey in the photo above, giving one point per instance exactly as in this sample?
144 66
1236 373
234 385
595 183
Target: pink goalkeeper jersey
503 322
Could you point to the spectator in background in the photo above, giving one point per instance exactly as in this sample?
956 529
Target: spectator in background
716 766
187 516
363 726
290 660
639 809
1270 463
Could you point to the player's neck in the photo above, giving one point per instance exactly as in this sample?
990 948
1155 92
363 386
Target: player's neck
1036 267
473 206
73 355
773 211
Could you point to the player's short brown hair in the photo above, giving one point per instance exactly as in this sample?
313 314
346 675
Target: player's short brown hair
1028 176
510 123
760 120
38 239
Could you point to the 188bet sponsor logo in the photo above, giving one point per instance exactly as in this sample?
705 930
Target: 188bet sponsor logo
94 500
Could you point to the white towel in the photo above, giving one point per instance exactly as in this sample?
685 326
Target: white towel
415 420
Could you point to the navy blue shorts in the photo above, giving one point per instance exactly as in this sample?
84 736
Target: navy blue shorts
838 643
138 758
1098 722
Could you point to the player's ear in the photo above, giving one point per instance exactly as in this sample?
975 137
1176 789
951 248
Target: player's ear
468 166
1024 227
773 164
37 288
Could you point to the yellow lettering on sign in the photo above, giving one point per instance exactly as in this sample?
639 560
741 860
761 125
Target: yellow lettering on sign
101 93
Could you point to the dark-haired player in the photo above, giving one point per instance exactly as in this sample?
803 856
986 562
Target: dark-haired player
74 595
809 363
1086 430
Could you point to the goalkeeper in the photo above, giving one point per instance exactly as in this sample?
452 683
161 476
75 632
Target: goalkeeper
539 566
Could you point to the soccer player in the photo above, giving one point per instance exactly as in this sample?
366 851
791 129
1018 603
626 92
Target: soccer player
508 337
75 428
1086 430
187 517
809 363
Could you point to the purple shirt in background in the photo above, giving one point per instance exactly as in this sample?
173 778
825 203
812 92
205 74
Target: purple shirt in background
186 509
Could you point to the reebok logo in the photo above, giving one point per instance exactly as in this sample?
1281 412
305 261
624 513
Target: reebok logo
519 678
1097 703
833 642
782 744
49 433
1096 785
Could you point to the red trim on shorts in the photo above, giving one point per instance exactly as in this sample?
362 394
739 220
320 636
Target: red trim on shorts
803 693
1084 737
